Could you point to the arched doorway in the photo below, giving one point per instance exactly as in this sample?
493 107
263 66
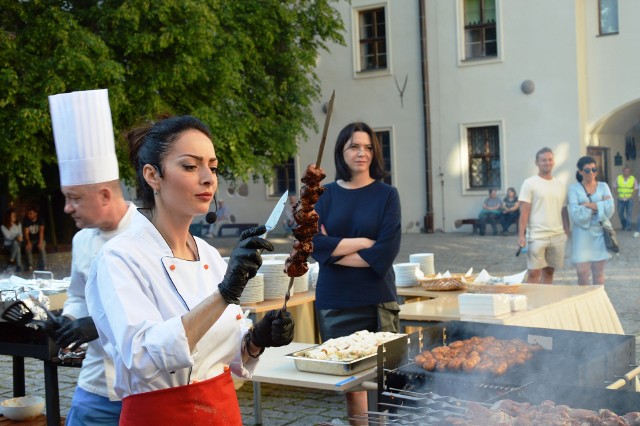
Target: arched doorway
615 141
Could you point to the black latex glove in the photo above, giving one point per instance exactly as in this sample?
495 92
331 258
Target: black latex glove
273 330
244 262
78 331
52 324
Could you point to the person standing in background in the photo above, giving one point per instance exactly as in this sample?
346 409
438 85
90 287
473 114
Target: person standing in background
625 188
12 233
544 218
33 228
89 180
359 239
590 202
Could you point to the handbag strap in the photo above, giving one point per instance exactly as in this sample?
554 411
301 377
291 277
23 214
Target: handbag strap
588 195
586 192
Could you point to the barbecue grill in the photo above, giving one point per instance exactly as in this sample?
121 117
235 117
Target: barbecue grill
21 342
573 369
26 342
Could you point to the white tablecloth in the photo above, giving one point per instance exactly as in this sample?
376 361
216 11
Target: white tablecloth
564 307
590 311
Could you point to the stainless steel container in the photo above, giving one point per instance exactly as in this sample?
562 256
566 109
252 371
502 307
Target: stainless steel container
339 368
336 368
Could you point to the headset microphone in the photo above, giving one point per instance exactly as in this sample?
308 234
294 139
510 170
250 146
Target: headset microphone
211 217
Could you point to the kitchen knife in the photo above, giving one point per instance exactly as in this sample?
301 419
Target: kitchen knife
272 222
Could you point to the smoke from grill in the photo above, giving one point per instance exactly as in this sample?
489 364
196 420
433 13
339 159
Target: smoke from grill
572 370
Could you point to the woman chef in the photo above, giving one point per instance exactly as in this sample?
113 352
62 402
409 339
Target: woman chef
166 310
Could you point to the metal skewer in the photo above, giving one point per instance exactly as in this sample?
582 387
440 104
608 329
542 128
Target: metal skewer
287 296
326 128
323 139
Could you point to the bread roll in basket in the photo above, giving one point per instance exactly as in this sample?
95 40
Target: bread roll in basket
440 283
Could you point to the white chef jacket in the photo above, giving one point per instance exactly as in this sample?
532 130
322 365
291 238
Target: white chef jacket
137 293
97 369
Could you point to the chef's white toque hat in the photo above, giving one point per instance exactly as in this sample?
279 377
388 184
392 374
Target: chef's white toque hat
83 133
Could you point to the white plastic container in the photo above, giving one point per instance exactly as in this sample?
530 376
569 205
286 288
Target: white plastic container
519 302
477 304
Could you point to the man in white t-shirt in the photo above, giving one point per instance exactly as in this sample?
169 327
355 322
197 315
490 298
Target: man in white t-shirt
543 214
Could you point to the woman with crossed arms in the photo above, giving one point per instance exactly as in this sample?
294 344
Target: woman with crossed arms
589 203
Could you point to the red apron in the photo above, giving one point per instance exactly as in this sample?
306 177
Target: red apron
211 402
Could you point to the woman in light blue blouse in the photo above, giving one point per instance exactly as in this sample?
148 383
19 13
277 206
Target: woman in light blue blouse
590 202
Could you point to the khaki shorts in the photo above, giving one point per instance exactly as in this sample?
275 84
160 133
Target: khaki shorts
546 252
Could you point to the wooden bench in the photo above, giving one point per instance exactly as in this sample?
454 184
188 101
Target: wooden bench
473 222
234 229
476 224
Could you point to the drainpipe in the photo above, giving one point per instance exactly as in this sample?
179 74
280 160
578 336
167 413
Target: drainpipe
428 218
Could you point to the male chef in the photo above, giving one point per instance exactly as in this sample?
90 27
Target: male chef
83 134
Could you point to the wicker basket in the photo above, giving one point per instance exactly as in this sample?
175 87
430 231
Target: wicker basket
443 284
493 288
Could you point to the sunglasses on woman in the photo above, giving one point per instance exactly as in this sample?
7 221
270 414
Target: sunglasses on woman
590 170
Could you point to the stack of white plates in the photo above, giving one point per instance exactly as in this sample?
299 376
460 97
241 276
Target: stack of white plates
276 281
301 284
268 257
426 262
281 256
314 268
254 290
407 274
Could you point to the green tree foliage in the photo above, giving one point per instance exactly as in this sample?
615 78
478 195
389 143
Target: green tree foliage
246 67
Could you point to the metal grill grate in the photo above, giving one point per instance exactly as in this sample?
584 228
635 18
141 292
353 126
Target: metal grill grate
572 359
403 407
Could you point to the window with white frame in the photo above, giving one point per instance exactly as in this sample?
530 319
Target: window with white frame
608 13
372 38
480 34
483 149
284 179
384 137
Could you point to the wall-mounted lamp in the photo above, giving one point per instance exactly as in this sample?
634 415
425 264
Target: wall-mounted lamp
617 160
527 87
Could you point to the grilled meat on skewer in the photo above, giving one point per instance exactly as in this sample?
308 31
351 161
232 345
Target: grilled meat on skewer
307 219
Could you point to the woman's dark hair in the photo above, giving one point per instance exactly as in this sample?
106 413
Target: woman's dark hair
515 194
376 169
581 163
150 143
6 218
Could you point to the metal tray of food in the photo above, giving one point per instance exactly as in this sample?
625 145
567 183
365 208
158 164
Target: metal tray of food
336 368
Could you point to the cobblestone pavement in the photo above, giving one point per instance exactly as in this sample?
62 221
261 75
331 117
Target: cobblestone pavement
455 252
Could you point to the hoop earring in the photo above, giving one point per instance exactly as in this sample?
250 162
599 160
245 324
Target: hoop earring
155 192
